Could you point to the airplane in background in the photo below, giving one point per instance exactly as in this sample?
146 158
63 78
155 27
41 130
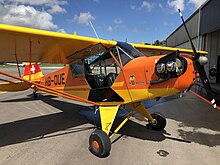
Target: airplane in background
20 64
104 74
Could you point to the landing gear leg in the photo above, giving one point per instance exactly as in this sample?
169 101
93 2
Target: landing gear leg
99 140
156 121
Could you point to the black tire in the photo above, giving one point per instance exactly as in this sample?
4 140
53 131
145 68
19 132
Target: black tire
35 94
99 143
160 122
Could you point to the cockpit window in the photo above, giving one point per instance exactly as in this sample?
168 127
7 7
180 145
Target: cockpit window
130 50
124 58
77 69
101 70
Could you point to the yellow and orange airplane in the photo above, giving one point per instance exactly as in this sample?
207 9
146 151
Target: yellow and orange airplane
102 73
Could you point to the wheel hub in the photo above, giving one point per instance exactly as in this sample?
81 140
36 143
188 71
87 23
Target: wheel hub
96 144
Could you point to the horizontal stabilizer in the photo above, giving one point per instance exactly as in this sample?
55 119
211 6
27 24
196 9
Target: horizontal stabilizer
14 86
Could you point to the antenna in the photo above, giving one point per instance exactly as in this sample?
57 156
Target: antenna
94 29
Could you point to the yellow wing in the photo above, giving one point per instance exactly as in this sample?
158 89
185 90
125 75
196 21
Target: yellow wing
157 50
54 47
46 46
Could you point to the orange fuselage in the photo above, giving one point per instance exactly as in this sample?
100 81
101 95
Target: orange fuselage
132 84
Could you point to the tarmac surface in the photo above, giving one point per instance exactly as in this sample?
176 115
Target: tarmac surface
50 130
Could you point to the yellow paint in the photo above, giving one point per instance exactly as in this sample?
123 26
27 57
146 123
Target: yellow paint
121 125
79 93
118 84
107 114
110 103
138 117
54 47
124 94
161 92
2 92
141 94
73 87
35 76
163 48
136 94
28 63
139 108
147 94
45 33
13 87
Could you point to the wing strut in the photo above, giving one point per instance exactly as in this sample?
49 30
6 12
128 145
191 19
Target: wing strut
43 88
16 58
30 44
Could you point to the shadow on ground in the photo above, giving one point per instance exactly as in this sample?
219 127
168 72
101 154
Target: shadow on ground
72 118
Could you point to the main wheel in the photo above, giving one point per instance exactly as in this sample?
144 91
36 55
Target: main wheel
35 94
160 122
99 143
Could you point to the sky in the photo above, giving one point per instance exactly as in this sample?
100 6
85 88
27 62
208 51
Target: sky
122 20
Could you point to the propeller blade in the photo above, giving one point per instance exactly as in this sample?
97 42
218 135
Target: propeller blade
205 80
198 66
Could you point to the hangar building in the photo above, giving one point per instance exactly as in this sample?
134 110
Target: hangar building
204 29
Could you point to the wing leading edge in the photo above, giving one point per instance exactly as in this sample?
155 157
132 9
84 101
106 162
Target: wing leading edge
157 50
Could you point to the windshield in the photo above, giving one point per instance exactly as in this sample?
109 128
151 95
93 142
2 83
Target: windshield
130 50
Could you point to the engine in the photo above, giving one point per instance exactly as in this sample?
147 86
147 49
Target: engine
170 66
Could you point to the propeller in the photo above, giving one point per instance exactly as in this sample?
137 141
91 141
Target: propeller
198 63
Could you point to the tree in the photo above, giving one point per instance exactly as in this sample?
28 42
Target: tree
159 43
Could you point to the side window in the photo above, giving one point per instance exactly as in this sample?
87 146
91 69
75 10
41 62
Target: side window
122 56
77 69
117 68
101 70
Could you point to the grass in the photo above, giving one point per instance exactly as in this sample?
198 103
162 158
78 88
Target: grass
7 66
41 65
51 65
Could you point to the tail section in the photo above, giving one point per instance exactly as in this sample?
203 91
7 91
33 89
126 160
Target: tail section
32 72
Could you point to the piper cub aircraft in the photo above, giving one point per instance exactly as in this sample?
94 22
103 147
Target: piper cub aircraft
102 73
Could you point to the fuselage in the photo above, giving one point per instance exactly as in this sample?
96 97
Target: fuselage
132 83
